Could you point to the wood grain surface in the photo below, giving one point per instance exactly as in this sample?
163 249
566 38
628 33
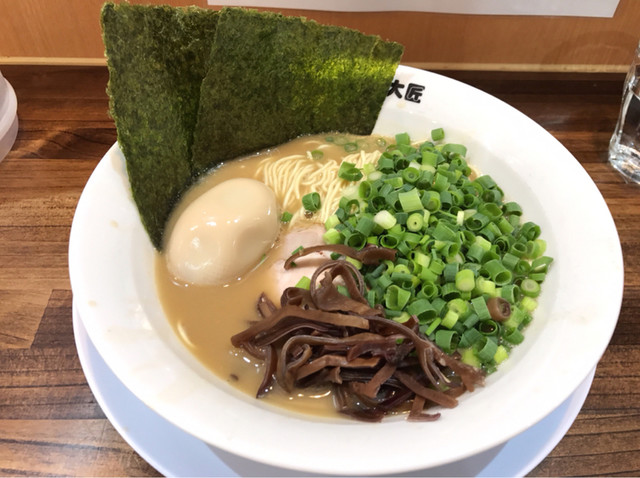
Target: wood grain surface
50 423
69 30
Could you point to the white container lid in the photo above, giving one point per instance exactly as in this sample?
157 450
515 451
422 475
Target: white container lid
8 117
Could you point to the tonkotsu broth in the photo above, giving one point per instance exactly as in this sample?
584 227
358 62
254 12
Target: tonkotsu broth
205 317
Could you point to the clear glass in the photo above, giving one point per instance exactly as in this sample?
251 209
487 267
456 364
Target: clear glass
624 148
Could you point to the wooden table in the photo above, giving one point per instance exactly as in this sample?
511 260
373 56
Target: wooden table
50 423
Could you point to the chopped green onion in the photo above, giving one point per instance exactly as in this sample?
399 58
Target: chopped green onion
422 309
304 283
333 236
485 286
385 219
541 264
396 298
530 288
489 327
402 318
469 357
459 306
316 154
514 337
450 319
410 200
403 139
450 270
355 262
389 240
512 208
447 340
365 225
501 354
497 272
350 147
455 148
486 349
374 176
459 246
415 221
486 182
480 307
331 222
429 158
465 280
443 232
433 326
529 303
395 182
440 182
355 239
470 336
410 175
471 320
366 190
311 202
286 216
349 172
437 134
515 319
510 292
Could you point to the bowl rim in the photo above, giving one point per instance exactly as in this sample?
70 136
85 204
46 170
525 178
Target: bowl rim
235 430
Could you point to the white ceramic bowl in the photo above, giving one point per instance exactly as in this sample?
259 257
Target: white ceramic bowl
111 269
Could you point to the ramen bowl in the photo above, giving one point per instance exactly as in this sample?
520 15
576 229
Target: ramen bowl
111 263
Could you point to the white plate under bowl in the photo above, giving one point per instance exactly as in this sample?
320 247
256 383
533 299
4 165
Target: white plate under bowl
173 452
111 271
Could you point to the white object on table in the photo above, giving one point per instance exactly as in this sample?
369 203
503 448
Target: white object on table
8 117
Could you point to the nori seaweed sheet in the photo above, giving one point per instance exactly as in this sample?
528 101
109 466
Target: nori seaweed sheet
157 57
274 78
192 87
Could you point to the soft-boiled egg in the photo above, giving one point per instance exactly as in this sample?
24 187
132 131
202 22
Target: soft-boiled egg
224 233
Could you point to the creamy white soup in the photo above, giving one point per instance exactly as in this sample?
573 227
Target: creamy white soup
206 316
